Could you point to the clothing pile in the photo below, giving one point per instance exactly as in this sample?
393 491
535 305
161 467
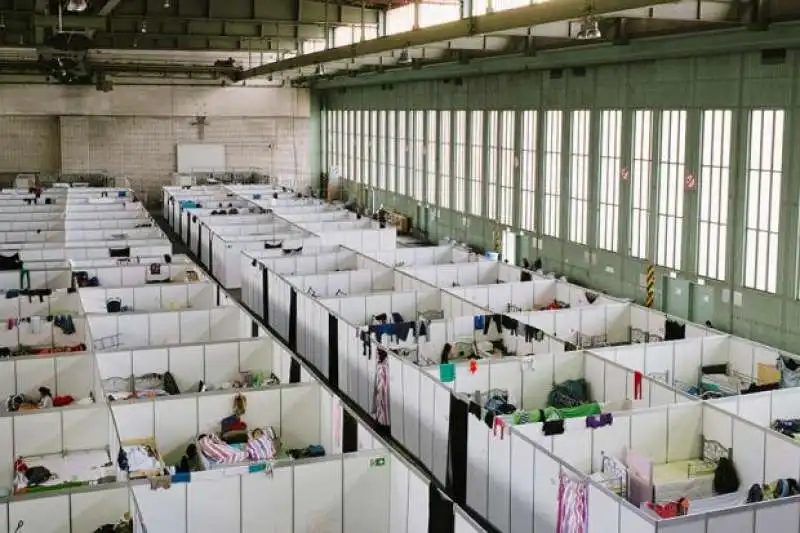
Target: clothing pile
570 393
123 526
782 488
788 427
82 279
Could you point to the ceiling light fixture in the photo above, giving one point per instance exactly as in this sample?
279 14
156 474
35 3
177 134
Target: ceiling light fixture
166 4
77 6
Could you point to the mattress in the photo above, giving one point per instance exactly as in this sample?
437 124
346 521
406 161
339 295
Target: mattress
75 467
671 481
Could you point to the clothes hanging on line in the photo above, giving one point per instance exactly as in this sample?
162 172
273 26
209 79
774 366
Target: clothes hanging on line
674 330
10 262
64 323
532 333
573 511
380 409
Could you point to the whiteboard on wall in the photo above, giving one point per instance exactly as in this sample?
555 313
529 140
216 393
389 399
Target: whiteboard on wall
201 158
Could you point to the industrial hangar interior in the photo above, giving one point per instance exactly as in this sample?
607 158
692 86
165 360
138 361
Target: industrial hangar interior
367 266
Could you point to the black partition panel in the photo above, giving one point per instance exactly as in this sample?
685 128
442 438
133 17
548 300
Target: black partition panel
333 350
294 371
188 230
349 432
254 329
200 243
457 451
210 253
293 321
440 512
265 294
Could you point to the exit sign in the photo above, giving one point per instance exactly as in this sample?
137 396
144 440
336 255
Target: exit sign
377 461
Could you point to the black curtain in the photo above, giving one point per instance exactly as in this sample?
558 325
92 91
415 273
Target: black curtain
333 351
349 432
294 371
253 328
210 255
457 451
440 512
200 244
293 321
265 295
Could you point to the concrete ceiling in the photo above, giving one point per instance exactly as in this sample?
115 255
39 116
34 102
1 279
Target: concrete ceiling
270 39
224 25
546 25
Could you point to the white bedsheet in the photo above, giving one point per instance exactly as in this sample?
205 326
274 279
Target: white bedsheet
74 466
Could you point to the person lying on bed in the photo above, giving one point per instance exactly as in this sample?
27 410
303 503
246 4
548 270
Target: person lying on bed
261 445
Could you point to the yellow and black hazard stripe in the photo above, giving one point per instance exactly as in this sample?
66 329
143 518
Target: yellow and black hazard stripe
650 286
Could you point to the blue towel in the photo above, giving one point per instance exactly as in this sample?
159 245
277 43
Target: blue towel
479 321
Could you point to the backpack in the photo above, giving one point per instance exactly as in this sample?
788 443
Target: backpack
726 479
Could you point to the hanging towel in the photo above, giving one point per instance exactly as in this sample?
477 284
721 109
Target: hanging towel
499 428
553 427
572 508
637 385
447 373
381 400
598 421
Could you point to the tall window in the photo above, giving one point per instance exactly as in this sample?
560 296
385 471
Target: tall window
527 171
715 170
552 173
391 151
430 156
347 148
444 159
493 142
373 148
402 152
460 159
764 173
579 176
333 131
418 157
639 176
327 136
476 163
610 168
337 141
358 145
507 168
381 139
671 183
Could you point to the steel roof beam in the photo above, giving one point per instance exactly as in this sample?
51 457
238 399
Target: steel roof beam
531 15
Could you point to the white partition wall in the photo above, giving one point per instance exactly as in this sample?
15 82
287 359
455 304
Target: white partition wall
155 297
130 330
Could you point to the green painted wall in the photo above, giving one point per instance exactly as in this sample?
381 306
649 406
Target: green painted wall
737 81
